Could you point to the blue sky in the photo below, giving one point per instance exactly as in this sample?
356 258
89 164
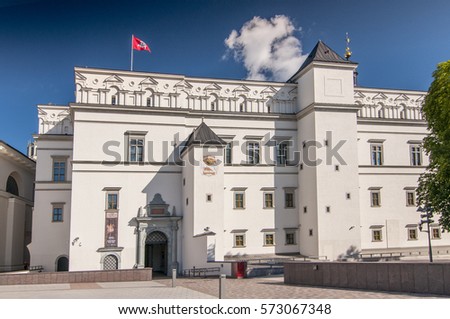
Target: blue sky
396 43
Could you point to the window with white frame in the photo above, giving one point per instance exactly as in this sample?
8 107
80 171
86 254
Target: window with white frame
377 235
239 240
59 168
289 237
136 142
375 198
282 153
253 153
268 200
435 233
229 153
289 198
57 212
239 199
376 153
416 155
410 198
269 239
412 233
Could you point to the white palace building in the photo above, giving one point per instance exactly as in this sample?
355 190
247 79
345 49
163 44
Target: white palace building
169 171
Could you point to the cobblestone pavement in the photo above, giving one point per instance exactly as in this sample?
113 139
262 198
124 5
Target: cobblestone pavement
193 288
274 288
103 290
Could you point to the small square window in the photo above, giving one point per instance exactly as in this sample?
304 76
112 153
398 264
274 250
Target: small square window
435 233
57 215
269 239
268 200
310 232
348 196
290 238
301 166
328 209
239 240
305 209
208 197
412 233
336 168
376 235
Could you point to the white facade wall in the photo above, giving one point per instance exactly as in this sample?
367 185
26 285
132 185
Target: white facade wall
164 109
15 209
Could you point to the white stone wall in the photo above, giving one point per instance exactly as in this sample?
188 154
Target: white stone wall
327 102
15 210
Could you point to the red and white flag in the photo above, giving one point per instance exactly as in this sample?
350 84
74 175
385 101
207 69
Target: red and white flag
139 45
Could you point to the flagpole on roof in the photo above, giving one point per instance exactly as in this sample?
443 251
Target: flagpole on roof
131 67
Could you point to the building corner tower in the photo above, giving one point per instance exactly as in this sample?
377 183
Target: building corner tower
328 168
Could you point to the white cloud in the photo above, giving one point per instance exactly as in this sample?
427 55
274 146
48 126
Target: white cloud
268 48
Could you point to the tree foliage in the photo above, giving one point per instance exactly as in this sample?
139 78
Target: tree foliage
434 184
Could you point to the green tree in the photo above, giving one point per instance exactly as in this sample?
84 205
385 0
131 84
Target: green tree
434 184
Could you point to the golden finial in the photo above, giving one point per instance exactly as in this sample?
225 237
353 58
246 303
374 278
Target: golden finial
348 53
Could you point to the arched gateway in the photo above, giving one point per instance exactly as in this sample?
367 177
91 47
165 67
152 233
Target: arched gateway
156 251
158 232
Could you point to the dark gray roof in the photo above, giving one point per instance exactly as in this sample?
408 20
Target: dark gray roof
203 135
321 53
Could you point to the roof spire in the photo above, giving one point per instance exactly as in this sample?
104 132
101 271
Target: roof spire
348 53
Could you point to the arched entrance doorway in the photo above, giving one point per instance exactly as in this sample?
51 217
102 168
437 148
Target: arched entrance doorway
156 251
62 264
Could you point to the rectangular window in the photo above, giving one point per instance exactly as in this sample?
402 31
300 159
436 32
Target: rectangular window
376 154
289 199
268 200
416 155
282 153
253 153
239 200
269 239
228 153
209 197
136 149
376 235
57 215
410 198
149 101
290 238
239 240
412 233
113 100
375 199
59 170
435 233
111 201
